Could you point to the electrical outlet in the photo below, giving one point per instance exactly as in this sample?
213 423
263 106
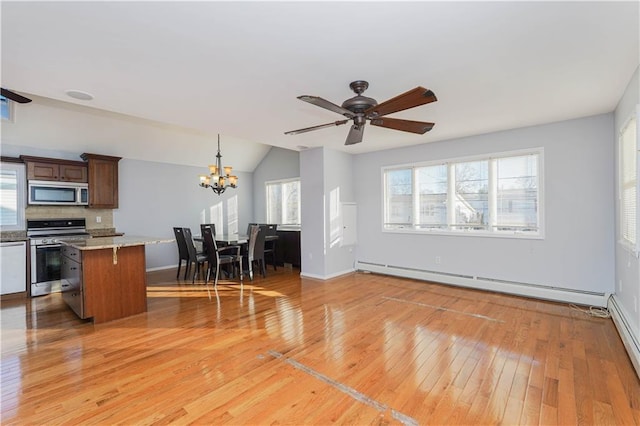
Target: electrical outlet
619 286
98 219
635 304
438 260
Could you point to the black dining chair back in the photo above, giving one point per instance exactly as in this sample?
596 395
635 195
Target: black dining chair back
255 250
208 225
194 256
228 255
249 228
183 253
270 230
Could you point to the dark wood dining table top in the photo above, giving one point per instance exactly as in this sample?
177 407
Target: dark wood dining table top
234 238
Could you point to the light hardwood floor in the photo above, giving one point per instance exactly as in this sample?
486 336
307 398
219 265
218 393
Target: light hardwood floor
360 349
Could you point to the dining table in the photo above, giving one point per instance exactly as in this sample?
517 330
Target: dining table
231 239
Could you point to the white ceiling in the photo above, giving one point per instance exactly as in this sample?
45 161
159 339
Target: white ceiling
236 68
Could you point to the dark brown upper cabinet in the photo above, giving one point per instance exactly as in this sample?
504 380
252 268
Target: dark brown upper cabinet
103 180
53 169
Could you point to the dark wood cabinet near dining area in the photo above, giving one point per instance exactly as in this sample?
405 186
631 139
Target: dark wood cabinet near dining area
288 248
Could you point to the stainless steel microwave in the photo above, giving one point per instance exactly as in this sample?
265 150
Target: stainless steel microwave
52 193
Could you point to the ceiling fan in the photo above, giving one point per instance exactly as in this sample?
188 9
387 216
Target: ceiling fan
361 108
14 96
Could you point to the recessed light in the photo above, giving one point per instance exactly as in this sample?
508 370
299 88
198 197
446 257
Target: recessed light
302 147
79 94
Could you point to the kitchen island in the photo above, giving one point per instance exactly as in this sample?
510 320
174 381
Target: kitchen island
105 278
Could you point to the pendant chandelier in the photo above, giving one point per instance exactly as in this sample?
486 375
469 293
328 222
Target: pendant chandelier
216 180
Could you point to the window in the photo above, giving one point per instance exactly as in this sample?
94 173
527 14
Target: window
628 147
497 195
283 202
12 197
6 109
432 187
471 195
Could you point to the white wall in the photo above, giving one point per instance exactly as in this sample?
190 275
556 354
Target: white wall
279 163
338 188
577 251
627 269
50 124
326 181
312 205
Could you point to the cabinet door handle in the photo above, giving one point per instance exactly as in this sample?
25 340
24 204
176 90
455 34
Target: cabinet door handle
11 244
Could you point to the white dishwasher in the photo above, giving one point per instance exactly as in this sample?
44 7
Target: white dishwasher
13 263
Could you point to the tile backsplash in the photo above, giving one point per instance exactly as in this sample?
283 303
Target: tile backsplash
91 215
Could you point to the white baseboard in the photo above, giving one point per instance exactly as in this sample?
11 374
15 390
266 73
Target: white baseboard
161 268
625 330
485 283
326 277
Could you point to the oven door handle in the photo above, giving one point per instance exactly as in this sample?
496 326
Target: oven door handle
40 246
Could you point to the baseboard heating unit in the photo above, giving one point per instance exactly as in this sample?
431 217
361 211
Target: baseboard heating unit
538 291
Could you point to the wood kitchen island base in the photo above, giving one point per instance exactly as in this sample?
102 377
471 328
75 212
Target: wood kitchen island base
105 278
114 291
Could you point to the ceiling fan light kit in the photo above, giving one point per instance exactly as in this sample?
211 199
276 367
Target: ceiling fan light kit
362 108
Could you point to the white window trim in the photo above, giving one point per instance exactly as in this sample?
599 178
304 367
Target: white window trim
540 235
633 248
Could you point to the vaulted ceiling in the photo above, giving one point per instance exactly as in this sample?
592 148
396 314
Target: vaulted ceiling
236 68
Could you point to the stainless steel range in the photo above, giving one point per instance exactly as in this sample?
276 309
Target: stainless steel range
46 261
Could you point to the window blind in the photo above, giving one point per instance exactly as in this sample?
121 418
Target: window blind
629 183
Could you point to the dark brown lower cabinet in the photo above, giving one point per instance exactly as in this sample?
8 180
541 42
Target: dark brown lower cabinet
288 248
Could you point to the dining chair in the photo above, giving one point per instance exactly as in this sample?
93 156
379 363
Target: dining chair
183 253
202 228
255 250
270 230
228 255
194 256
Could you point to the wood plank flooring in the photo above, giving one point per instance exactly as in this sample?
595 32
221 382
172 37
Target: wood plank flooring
359 349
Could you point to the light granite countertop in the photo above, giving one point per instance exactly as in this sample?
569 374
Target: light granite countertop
100 243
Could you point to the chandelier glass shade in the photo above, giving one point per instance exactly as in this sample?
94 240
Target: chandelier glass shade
219 178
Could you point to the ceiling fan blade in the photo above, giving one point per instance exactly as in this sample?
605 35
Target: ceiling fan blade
419 127
321 126
323 103
14 96
355 135
410 99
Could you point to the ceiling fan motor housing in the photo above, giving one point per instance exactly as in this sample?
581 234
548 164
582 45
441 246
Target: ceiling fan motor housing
359 103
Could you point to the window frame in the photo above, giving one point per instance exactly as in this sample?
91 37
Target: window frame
632 246
21 195
279 222
449 228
